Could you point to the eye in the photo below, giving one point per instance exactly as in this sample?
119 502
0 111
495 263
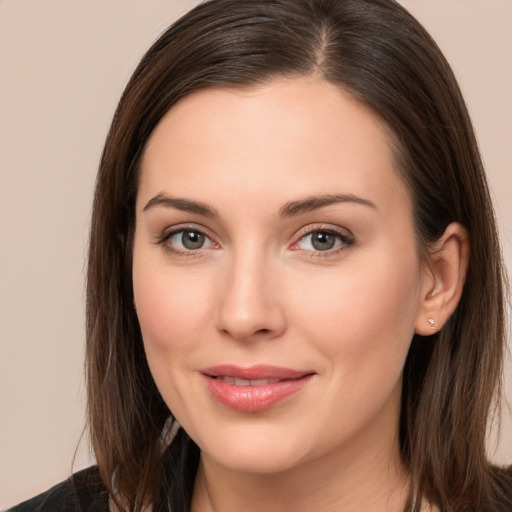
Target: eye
186 240
323 240
189 240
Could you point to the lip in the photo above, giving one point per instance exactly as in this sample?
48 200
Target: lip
256 396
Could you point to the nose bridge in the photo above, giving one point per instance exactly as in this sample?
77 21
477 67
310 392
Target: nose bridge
249 307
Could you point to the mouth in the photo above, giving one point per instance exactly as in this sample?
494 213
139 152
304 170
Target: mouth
245 382
256 388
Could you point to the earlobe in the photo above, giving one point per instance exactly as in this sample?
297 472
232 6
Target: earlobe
445 278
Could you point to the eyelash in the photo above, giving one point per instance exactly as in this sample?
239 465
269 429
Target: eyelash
164 237
345 241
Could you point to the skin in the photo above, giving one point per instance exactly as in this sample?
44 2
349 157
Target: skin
259 292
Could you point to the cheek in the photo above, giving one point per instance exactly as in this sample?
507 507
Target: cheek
173 319
166 314
363 328
172 312
363 318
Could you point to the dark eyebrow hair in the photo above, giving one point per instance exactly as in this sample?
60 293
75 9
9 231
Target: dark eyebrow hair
312 203
289 209
180 204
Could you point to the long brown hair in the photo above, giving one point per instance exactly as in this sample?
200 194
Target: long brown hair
378 52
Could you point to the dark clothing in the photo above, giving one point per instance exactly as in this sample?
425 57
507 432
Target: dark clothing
82 492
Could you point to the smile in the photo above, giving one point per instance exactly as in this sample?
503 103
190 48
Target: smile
244 382
253 389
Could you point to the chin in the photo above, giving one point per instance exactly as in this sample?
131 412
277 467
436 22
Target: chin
257 462
254 454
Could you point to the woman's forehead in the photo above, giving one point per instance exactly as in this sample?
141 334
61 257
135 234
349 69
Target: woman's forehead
301 135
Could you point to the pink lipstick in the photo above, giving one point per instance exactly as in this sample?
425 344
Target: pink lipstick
255 388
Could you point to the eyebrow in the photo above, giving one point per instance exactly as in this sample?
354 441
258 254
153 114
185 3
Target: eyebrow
312 203
288 210
184 205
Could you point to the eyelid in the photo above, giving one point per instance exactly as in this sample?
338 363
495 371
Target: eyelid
322 226
166 234
344 234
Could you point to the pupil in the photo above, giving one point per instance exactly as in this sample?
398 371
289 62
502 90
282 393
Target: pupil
192 240
323 241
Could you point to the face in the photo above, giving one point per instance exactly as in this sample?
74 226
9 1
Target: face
276 274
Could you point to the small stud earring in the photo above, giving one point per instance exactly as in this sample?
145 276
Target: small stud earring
432 323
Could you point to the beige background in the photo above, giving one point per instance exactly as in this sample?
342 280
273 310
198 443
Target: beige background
63 66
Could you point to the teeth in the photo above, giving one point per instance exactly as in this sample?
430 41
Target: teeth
245 382
262 382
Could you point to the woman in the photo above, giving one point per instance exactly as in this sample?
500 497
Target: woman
294 273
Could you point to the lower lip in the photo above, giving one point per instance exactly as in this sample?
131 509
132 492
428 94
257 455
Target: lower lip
254 398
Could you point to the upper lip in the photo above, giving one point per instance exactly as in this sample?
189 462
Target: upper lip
260 371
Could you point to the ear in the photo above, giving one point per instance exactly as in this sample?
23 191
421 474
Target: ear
445 274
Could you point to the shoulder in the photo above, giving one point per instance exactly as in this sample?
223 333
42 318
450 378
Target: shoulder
82 491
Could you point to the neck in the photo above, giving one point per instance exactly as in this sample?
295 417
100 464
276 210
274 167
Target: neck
364 476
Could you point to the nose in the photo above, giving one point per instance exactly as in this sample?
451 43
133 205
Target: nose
250 306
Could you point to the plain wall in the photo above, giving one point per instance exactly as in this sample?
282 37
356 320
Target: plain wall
63 66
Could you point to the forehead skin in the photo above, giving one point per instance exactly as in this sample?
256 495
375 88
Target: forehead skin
207 127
